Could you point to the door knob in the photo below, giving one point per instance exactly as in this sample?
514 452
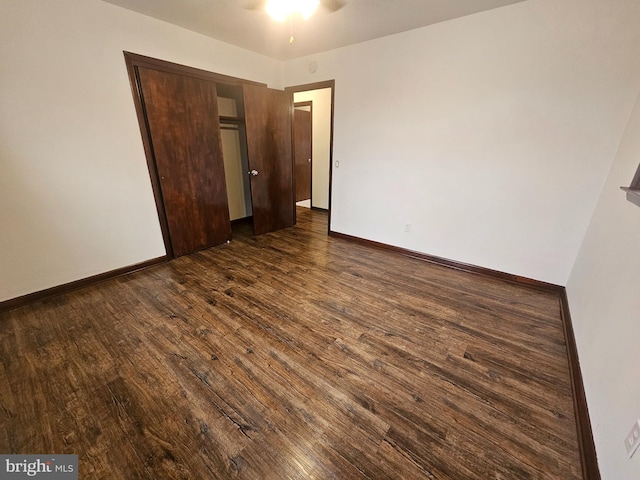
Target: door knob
253 172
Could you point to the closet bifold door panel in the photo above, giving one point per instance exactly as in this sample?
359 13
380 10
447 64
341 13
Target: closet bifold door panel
268 121
181 116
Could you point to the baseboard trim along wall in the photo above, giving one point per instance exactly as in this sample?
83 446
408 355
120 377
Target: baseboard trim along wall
588 458
588 455
75 285
586 444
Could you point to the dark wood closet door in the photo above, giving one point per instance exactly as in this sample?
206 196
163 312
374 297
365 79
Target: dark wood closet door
302 153
268 123
182 118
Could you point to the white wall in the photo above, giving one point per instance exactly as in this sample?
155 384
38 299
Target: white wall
320 142
604 298
75 195
491 134
235 174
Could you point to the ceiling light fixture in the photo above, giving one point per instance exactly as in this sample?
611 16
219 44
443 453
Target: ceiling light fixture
279 10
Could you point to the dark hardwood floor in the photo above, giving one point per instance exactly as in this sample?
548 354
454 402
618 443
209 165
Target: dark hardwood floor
291 356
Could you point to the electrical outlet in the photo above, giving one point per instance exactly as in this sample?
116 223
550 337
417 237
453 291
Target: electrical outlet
633 439
407 227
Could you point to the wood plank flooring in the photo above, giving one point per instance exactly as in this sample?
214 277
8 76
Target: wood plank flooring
292 356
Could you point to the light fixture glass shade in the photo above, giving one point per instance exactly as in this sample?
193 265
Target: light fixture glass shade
280 9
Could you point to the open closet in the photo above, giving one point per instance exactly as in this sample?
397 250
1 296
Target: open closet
234 151
218 149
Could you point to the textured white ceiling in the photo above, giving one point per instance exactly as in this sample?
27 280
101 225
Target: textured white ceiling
359 21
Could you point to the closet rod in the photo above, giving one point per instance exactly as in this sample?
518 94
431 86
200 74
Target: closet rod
232 120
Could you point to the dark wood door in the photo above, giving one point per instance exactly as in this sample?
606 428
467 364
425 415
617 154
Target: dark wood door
268 116
302 153
182 118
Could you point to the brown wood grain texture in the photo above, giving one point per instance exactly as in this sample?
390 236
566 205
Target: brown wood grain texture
22 300
182 117
302 153
268 120
588 454
293 355
225 84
